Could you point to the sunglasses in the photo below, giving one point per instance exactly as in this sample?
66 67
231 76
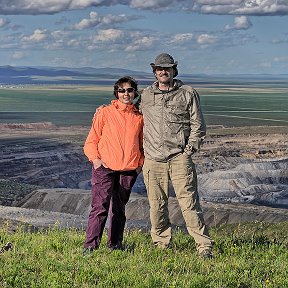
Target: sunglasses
129 90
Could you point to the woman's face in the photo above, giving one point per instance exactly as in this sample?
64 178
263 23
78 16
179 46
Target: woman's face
126 93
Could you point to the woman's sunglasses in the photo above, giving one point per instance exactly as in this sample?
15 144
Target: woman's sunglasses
122 90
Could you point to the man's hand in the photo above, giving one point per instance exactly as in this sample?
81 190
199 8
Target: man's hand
97 111
99 108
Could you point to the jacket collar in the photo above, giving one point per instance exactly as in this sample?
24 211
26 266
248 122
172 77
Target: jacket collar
176 85
123 107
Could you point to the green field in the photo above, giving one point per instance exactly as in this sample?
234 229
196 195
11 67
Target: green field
250 255
230 106
247 108
61 106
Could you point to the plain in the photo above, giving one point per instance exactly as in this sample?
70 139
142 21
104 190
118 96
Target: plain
228 105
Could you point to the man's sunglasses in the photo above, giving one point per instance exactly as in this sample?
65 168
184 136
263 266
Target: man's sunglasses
122 90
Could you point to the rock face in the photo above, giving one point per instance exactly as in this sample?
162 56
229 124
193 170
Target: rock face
234 170
261 182
77 202
46 159
72 201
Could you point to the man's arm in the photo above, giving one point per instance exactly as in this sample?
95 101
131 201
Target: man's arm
197 125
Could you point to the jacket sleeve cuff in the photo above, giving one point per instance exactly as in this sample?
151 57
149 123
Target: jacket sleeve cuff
193 147
189 151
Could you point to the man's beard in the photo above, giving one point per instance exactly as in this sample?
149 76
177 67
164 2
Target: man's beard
167 80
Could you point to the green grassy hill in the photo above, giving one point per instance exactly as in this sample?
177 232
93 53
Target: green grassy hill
246 255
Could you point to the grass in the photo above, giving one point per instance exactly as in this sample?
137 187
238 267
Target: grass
251 105
246 255
62 107
248 108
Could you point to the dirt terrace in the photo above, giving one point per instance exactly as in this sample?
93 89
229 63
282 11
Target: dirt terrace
46 156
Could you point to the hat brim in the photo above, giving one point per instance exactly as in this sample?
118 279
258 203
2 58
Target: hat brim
164 65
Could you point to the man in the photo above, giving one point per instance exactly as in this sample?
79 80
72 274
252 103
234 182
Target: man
174 129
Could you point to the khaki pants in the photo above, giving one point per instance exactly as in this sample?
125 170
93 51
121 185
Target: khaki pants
181 171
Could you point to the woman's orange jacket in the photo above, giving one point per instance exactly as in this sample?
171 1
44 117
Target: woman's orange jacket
116 137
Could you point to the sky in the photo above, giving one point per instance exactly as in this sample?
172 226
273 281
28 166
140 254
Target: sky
204 36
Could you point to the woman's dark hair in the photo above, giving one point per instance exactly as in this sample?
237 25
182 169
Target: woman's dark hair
126 79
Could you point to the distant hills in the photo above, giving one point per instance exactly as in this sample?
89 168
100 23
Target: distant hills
58 75
11 75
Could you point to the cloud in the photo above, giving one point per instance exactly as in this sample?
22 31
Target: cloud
279 41
18 55
240 23
280 59
37 36
231 7
206 39
241 7
108 35
61 40
28 7
95 20
154 4
4 22
88 23
140 44
181 38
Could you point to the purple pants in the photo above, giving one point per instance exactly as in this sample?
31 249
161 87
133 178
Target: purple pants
109 189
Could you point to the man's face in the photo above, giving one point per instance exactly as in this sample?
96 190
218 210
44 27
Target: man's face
164 75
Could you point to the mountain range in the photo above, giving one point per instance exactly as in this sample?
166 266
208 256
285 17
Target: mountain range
12 75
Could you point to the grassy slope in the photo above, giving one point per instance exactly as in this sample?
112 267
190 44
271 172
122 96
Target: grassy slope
74 105
246 255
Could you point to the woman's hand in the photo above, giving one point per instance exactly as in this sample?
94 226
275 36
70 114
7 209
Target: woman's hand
97 163
139 169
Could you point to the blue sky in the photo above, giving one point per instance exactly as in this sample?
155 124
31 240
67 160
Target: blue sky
204 36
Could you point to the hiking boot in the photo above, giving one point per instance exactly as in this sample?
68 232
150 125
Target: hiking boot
118 246
87 251
206 254
6 247
163 246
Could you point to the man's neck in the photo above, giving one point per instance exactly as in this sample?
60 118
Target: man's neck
165 86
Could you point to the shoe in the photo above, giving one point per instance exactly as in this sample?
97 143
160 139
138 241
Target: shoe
118 246
87 251
6 247
163 246
206 254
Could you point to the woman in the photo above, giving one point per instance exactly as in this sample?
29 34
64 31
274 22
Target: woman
114 147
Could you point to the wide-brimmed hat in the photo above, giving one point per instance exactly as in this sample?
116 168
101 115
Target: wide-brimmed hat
166 61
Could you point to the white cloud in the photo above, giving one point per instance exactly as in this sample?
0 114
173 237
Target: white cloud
232 7
14 7
108 35
4 22
61 40
242 7
88 23
62 61
18 55
153 4
181 38
264 65
279 41
240 23
95 20
37 36
206 39
140 44
281 59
